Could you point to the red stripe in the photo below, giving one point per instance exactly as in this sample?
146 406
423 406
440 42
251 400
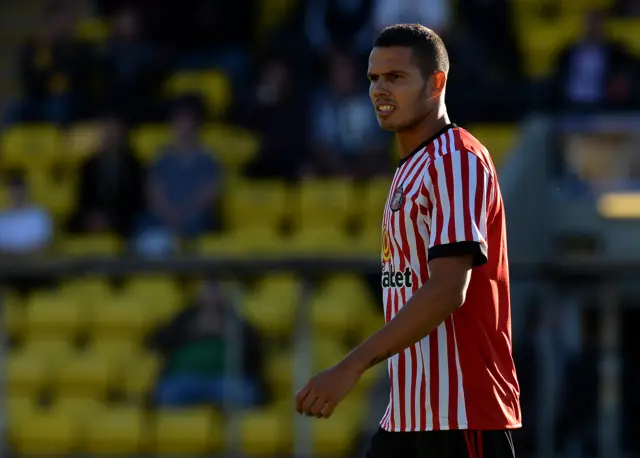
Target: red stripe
479 443
467 439
453 376
392 423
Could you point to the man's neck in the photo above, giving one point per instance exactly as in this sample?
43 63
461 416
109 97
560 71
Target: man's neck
408 141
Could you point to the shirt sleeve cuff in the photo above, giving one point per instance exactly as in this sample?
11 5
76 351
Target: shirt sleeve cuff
477 249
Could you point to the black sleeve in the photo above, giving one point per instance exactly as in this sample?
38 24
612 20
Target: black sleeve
477 249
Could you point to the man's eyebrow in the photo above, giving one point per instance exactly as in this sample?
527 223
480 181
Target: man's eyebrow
390 72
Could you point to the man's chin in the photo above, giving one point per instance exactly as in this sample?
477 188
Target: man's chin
385 124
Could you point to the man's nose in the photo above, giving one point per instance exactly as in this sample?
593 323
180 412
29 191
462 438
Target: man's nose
379 89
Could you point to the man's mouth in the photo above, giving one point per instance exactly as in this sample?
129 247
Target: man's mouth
385 108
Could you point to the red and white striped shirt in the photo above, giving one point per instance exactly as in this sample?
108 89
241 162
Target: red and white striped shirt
445 200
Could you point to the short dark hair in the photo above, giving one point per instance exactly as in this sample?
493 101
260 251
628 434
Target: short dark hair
429 51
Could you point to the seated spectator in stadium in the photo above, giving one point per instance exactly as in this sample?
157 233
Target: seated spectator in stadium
111 189
339 24
54 71
130 68
183 185
594 73
345 137
196 348
25 228
278 112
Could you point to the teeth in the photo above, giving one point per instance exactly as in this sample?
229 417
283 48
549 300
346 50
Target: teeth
385 108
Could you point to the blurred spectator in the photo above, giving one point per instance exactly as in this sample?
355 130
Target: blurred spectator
25 228
196 351
129 68
340 24
110 195
595 72
278 111
55 71
489 25
435 14
345 137
627 8
183 184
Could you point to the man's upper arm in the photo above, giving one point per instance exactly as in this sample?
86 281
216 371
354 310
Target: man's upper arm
457 188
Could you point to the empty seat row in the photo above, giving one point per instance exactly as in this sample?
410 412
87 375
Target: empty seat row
85 426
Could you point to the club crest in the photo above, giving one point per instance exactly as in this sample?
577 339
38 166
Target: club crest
397 199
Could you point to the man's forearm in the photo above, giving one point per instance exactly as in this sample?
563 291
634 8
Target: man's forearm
428 307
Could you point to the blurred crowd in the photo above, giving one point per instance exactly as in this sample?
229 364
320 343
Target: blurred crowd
301 87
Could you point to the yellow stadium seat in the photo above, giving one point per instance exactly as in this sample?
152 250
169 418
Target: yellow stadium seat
29 146
326 353
85 290
83 139
257 203
499 139
213 85
92 29
48 433
233 146
115 430
83 374
56 195
369 241
27 373
626 31
77 408
339 305
264 432
140 376
19 409
248 242
321 241
542 44
148 140
374 198
271 306
273 13
52 349
336 435
50 315
325 203
90 245
123 318
186 432
117 351
13 318
159 296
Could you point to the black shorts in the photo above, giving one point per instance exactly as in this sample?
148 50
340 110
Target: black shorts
442 444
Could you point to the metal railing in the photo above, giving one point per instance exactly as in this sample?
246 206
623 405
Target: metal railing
608 282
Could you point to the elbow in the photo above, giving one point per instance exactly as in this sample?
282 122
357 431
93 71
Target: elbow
454 296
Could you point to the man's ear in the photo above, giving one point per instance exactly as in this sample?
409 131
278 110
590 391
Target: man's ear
437 84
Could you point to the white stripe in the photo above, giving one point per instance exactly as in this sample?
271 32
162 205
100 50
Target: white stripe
475 230
427 371
443 376
396 392
458 189
483 210
419 376
408 377
462 406
443 197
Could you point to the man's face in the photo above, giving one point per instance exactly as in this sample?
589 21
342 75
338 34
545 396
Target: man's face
399 92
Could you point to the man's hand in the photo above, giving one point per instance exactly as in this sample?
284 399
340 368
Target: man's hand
323 393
